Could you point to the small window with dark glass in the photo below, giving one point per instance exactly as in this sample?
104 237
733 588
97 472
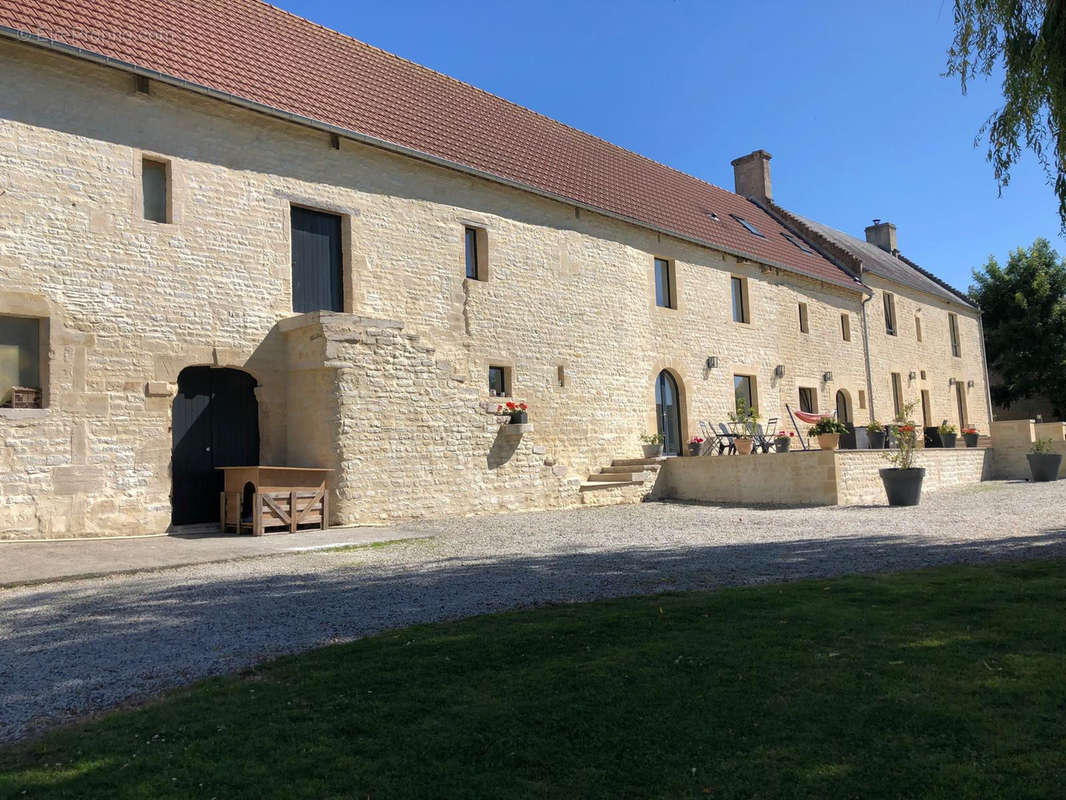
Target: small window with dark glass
804 324
807 400
498 381
890 313
473 262
740 299
953 332
748 226
664 284
154 190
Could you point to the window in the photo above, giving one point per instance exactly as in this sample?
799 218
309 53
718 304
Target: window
750 228
20 361
744 392
804 328
918 328
862 398
890 313
499 381
922 373
317 262
845 327
897 394
154 190
953 330
664 284
801 245
740 299
927 412
808 400
473 262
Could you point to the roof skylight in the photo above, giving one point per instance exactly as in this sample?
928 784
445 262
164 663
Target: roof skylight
799 243
751 228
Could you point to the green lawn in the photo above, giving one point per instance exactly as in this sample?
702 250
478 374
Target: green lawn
942 683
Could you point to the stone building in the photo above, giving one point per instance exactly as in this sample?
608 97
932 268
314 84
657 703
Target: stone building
228 234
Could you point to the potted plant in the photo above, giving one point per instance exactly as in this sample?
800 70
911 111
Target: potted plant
653 444
744 420
948 434
516 411
783 441
828 431
970 435
875 432
695 445
903 480
1043 464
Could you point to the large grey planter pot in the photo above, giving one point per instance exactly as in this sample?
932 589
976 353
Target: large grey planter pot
1044 466
948 439
971 439
903 486
653 450
519 417
876 439
782 445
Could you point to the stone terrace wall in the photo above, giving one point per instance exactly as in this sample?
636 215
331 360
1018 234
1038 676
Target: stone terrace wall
1013 440
814 477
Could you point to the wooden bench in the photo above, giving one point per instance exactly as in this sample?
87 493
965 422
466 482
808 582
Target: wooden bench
280 499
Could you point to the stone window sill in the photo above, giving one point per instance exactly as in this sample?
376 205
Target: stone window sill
24 413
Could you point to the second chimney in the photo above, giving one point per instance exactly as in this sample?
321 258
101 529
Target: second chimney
751 175
882 234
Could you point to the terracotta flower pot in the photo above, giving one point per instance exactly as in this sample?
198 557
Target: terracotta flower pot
828 441
744 445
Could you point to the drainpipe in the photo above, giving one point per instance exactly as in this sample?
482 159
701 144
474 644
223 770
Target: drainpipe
866 353
984 363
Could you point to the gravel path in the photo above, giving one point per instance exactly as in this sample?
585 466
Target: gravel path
67 649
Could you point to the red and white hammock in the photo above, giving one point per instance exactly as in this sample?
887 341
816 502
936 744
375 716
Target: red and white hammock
811 418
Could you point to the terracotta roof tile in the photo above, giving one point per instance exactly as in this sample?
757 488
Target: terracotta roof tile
262 54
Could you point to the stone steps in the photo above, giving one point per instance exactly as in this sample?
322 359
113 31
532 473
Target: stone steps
598 485
640 462
618 476
632 468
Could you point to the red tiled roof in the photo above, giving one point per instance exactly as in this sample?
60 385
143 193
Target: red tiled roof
264 55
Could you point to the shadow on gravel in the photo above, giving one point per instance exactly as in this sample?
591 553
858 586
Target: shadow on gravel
75 647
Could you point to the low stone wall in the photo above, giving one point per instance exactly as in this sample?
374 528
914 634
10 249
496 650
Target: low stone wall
813 477
1013 440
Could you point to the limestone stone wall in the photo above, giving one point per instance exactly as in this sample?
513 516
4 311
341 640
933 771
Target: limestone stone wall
813 477
903 353
1013 441
568 307
859 476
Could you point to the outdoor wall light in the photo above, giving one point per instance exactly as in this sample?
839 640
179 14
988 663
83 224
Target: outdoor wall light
951 381
912 375
712 362
827 376
779 371
969 384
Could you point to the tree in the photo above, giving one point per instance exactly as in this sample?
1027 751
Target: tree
1024 313
1028 37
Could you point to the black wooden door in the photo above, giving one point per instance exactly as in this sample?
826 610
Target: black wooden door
216 424
317 279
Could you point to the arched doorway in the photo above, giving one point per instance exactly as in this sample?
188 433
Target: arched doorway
668 412
216 424
843 407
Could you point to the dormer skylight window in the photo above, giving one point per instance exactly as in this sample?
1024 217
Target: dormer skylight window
750 228
712 215
800 244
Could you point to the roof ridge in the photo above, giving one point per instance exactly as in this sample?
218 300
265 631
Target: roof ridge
494 96
965 298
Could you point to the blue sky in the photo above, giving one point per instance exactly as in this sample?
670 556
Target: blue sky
848 97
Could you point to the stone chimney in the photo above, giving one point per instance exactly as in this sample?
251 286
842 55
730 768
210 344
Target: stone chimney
751 175
883 234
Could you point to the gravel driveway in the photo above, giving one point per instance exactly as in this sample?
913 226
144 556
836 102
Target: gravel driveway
75 647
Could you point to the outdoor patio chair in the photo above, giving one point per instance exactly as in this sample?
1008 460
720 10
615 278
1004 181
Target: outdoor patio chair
713 443
728 436
762 441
